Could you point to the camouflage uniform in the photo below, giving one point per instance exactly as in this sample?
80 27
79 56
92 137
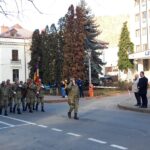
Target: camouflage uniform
10 94
4 97
40 96
73 98
31 94
23 95
17 97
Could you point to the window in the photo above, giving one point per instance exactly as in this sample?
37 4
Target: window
144 31
137 2
15 74
137 33
14 55
145 64
144 14
138 48
137 17
145 47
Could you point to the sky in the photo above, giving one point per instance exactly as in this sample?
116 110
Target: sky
52 10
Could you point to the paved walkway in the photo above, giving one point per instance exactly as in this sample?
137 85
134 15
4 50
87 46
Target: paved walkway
127 104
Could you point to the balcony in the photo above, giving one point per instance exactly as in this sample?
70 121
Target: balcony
15 62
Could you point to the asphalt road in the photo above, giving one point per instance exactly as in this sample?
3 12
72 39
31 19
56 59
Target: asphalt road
102 126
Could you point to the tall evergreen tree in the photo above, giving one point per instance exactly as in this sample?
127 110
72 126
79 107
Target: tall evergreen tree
91 42
69 42
45 43
36 53
125 48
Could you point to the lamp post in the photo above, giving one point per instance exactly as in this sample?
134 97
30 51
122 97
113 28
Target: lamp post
91 92
89 60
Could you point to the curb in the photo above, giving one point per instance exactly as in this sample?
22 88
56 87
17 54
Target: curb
124 107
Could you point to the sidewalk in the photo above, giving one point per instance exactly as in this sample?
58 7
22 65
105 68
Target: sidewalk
127 104
130 102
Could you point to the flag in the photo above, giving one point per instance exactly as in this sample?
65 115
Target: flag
36 74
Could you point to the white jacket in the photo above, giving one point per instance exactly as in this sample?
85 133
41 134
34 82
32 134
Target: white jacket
134 86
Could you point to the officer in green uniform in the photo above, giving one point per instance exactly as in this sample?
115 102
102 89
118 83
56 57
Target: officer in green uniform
10 94
40 96
73 98
17 96
4 98
31 94
1 101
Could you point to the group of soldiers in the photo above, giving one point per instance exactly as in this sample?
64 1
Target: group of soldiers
19 97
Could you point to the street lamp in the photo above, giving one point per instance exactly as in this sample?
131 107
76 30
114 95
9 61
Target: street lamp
89 60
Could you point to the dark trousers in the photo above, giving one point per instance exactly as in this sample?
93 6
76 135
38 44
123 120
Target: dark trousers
138 98
144 100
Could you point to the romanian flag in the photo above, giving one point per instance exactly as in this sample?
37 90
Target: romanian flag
36 74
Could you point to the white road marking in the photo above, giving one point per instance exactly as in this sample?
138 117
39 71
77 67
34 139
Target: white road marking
10 125
24 121
97 141
58 130
19 120
42 126
74 134
119 147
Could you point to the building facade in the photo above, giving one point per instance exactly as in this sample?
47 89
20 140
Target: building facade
140 31
15 55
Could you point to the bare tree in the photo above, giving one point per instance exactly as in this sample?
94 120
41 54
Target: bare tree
18 7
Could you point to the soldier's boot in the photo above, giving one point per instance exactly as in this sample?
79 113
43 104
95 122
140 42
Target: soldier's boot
11 110
27 105
0 111
14 109
23 107
36 107
18 110
30 110
5 114
42 109
69 115
76 116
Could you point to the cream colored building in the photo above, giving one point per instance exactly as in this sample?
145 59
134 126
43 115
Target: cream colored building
140 33
15 55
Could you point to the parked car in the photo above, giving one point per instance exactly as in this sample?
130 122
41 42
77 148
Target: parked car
106 80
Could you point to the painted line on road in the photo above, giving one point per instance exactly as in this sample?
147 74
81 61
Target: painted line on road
118 147
55 129
10 125
43 126
14 126
97 141
24 121
20 120
73 134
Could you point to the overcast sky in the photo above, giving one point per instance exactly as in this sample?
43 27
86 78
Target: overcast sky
52 10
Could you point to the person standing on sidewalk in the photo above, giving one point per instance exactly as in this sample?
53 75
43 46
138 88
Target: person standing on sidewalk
73 98
135 90
142 86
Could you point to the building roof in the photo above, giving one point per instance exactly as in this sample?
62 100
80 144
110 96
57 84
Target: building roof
17 32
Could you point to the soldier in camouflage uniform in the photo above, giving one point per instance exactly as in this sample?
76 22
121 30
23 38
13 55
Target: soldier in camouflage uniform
17 87
1 101
23 94
4 98
73 98
10 94
31 94
40 96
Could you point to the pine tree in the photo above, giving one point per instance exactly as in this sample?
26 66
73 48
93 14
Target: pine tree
69 40
125 48
45 42
91 42
36 53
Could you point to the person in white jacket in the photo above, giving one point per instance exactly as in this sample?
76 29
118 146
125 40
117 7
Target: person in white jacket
135 90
